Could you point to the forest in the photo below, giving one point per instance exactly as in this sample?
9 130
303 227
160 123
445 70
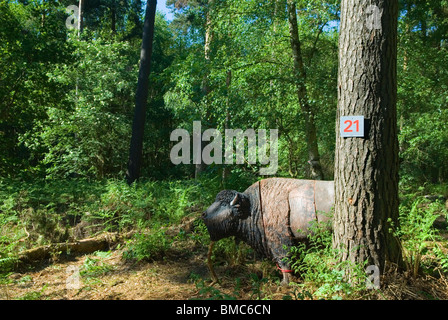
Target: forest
91 210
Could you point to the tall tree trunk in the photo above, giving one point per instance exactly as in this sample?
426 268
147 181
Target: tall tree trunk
300 75
80 17
141 96
407 34
200 167
225 169
366 169
113 17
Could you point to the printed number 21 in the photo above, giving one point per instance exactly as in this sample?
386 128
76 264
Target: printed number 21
350 123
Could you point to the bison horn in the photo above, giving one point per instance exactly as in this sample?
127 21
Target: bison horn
234 201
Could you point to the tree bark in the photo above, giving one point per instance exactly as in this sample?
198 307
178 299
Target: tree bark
225 168
300 77
201 167
141 97
113 17
366 169
80 17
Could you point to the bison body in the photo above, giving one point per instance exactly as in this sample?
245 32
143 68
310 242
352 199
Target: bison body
271 215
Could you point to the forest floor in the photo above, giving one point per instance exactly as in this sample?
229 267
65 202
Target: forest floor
180 275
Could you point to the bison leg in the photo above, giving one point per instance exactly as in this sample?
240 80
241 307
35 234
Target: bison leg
280 247
210 263
286 271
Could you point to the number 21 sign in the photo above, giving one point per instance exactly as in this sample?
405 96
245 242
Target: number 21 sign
352 126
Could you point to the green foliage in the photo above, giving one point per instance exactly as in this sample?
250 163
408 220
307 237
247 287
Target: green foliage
422 92
150 246
250 76
34 295
7 264
94 266
207 292
320 268
29 47
418 235
79 131
66 101
37 213
87 132
230 251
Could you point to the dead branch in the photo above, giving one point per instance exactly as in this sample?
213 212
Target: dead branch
85 246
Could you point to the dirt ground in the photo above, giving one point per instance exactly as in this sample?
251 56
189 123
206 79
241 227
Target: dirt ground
122 281
175 278
180 275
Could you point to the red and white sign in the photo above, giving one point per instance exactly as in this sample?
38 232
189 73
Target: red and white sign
352 126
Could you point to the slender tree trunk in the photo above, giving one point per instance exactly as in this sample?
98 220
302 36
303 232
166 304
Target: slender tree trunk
113 17
200 167
408 32
141 96
300 75
366 169
80 17
225 169
80 26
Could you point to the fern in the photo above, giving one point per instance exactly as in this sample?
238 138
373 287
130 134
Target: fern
7 264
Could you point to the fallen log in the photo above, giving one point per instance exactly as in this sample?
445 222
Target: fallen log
84 246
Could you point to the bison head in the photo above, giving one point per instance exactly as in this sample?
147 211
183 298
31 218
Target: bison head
223 216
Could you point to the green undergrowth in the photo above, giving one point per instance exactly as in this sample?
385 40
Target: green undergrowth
423 230
37 213
164 219
321 274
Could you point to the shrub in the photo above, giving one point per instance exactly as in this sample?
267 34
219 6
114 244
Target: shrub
150 246
318 265
417 233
